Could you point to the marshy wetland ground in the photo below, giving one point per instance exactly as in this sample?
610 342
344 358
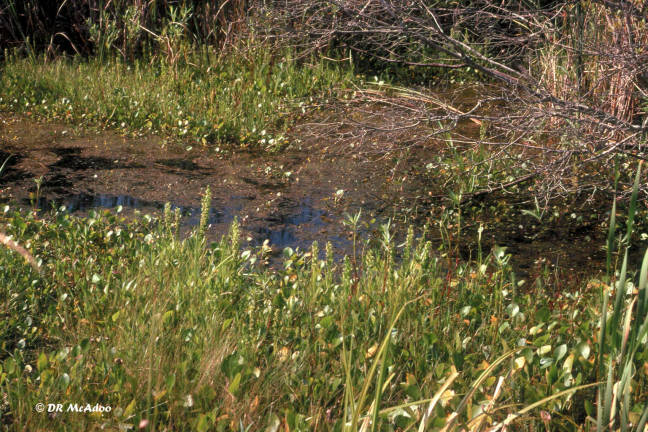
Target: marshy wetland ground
292 198
323 215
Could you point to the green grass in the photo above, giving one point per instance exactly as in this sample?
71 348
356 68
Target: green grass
182 335
248 96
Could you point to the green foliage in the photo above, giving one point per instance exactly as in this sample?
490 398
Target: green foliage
169 332
247 97
622 340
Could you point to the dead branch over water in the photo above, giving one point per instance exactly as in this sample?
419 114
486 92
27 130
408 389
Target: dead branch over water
566 81
568 78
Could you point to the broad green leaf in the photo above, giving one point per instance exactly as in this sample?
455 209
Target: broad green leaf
583 349
560 352
42 362
234 385
568 363
520 362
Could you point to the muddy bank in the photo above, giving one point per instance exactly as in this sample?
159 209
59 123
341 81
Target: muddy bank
291 199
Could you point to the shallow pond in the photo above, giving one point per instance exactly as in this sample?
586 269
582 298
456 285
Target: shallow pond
290 199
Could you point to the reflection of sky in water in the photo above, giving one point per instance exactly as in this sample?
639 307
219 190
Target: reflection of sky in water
294 224
85 202
298 224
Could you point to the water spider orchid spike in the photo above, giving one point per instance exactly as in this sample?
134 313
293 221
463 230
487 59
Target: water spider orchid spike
205 205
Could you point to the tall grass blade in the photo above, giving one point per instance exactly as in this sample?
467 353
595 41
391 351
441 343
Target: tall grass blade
620 294
435 399
610 240
512 417
372 372
626 329
642 302
602 335
624 389
379 389
607 398
349 393
641 425
633 205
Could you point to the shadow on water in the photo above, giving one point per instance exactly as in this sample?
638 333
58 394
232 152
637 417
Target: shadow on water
72 159
10 173
78 174
298 223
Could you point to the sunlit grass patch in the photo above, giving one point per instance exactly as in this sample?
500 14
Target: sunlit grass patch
246 97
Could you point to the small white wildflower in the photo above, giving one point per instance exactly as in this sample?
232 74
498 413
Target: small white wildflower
188 401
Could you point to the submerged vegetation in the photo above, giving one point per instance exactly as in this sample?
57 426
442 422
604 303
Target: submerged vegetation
151 330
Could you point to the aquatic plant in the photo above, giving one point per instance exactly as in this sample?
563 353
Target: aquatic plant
170 333
248 97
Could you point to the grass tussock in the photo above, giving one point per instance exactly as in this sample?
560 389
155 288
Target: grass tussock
176 334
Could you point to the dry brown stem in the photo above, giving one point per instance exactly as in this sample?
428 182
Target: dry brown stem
11 244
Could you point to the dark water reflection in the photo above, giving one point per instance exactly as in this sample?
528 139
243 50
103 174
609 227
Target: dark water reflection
294 224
